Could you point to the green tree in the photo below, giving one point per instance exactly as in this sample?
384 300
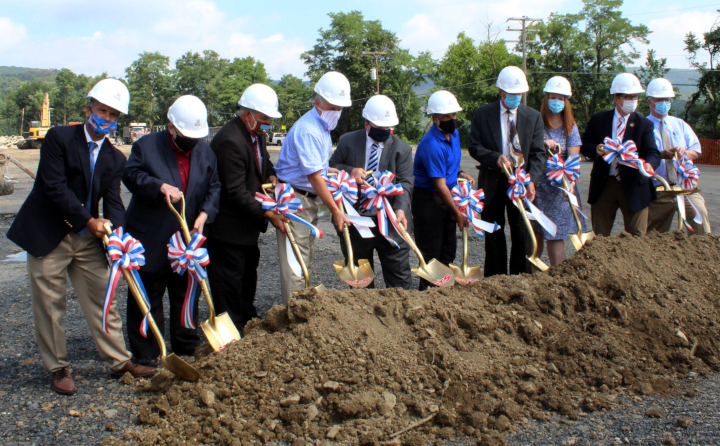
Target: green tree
201 75
342 48
653 69
469 70
149 80
703 108
239 74
294 97
589 48
65 94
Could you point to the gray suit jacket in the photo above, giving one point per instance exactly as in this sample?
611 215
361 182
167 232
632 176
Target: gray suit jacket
396 157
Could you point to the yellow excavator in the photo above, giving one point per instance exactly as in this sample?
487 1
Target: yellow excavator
36 133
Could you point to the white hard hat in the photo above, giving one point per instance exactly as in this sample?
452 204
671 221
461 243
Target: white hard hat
660 88
558 85
334 88
189 115
380 110
262 98
443 102
512 80
112 93
626 83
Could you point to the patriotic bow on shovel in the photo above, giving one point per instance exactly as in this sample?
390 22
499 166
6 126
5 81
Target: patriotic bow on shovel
345 193
625 153
126 253
559 169
517 192
190 259
470 202
688 177
375 198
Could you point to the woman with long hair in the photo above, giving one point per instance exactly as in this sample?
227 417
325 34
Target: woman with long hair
561 135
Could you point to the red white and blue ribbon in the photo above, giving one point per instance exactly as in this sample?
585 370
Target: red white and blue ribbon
560 168
518 181
688 177
190 259
625 153
345 191
376 198
288 205
470 202
125 253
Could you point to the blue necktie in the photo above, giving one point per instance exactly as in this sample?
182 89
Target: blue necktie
88 203
373 162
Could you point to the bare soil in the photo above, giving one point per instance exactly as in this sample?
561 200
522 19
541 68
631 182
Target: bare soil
624 315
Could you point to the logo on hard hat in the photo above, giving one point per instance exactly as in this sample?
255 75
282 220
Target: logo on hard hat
387 113
118 96
342 92
663 88
197 123
517 81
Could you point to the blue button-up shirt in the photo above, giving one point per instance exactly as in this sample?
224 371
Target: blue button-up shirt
436 157
306 150
681 135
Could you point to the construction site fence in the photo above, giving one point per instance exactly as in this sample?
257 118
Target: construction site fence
710 152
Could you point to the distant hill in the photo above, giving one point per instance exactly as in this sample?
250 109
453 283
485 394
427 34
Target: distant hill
28 74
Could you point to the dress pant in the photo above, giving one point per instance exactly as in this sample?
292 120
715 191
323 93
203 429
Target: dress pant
496 257
395 262
289 282
602 212
435 229
233 278
182 340
83 259
661 213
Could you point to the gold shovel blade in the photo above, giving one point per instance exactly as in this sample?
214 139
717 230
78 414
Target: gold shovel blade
319 288
579 240
466 276
180 368
436 273
359 277
539 264
222 333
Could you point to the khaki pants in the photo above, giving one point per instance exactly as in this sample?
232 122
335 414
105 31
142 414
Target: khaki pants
662 212
306 243
84 260
604 209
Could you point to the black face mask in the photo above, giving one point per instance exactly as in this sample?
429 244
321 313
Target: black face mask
185 144
379 135
448 126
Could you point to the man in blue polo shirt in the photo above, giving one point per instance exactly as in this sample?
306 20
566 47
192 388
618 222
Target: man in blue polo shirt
304 157
436 170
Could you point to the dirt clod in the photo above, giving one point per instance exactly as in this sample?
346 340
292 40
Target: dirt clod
654 412
357 366
684 422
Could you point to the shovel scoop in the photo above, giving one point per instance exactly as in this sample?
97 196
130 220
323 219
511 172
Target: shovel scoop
359 276
433 271
219 330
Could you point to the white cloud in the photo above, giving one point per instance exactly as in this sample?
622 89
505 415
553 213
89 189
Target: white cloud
668 34
11 34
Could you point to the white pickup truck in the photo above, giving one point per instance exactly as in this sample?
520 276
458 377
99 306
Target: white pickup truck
276 139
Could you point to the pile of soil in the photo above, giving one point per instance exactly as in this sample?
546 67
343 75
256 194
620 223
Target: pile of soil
624 314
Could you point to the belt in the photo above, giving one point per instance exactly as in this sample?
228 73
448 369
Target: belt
299 191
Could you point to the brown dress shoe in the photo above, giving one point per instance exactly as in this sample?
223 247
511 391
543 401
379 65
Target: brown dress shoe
63 383
135 369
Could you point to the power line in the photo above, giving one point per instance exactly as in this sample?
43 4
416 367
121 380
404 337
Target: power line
673 10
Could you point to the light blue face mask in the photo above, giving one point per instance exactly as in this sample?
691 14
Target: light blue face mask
662 108
556 105
512 100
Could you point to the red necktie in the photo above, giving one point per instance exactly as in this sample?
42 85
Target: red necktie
257 153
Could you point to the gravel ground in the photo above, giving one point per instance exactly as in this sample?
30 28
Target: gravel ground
31 414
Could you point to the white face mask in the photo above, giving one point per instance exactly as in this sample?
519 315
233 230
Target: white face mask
331 118
629 106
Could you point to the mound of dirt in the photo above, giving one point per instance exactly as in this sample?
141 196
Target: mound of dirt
625 314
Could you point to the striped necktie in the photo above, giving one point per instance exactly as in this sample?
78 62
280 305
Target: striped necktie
88 204
620 131
373 162
666 144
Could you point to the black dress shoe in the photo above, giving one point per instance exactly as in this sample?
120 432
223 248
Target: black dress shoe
149 362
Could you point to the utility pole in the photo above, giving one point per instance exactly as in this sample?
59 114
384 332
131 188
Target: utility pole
526 22
377 55
22 118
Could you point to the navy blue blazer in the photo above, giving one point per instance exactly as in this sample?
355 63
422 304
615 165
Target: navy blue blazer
56 204
638 189
152 162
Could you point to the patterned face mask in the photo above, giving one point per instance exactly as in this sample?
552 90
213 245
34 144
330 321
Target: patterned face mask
331 118
101 126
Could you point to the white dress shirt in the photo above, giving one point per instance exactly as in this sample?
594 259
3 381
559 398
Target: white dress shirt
368 150
616 119
89 139
504 127
681 135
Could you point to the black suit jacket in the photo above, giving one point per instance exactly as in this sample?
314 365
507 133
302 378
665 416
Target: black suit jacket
152 163
396 157
639 190
56 204
486 144
241 217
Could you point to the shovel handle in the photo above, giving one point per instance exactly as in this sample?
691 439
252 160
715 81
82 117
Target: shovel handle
135 291
298 255
186 236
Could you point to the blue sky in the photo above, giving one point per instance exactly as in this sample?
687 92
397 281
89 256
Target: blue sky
90 37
